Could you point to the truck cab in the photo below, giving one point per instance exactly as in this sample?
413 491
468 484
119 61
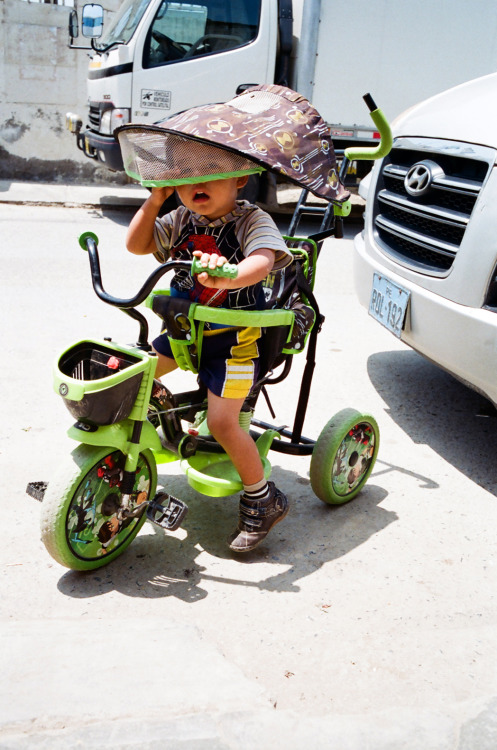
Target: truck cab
157 58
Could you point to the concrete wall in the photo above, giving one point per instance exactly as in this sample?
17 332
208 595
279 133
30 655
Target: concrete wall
40 80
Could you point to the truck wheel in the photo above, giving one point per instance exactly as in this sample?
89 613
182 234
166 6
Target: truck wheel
344 456
80 523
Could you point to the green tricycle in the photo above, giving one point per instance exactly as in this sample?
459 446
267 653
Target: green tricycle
127 423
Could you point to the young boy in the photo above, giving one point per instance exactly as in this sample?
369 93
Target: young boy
212 225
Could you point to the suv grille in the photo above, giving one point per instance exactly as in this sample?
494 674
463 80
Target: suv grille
424 231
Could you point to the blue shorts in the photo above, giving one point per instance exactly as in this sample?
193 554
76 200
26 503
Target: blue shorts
229 363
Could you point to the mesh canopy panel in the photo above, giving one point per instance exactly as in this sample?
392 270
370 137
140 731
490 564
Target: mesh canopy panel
156 159
266 127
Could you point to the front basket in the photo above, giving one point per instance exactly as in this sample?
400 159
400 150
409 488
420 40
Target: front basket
99 385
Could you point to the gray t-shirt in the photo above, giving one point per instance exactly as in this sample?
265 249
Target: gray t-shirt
238 234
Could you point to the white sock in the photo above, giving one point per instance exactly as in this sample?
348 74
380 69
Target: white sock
257 491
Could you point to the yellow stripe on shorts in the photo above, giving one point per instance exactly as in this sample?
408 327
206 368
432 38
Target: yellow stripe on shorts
240 366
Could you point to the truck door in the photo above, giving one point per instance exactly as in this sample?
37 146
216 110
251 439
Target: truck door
195 53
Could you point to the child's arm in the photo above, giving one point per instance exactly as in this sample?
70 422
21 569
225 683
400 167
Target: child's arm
140 235
251 270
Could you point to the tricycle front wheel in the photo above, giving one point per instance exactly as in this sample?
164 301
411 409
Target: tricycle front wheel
81 524
344 456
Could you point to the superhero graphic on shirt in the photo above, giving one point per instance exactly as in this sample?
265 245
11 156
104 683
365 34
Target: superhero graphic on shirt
221 240
206 243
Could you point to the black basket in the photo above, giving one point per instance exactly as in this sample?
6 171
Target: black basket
115 396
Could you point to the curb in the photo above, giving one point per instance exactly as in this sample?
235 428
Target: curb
71 196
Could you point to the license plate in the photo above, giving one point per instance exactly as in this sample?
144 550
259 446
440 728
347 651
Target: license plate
388 304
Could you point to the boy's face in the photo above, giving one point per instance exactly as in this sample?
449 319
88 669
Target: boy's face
212 199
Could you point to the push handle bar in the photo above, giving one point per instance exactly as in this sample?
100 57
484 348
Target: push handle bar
89 242
373 152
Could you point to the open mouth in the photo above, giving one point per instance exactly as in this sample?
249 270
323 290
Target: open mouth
200 196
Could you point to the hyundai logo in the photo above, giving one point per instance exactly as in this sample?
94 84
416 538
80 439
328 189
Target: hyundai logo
421 176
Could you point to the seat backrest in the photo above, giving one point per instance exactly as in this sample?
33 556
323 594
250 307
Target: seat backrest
286 288
282 283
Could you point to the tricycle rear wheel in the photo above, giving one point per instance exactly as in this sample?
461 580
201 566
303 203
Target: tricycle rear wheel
344 456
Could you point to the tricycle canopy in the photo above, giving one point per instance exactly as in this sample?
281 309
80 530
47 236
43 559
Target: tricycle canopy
266 127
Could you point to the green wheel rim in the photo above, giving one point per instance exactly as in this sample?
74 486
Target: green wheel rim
81 524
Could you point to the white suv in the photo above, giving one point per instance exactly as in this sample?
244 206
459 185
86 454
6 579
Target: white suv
425 264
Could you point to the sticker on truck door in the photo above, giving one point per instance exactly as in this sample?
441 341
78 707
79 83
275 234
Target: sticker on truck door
156 99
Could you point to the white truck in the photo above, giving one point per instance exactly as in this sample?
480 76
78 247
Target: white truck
426 263
155 58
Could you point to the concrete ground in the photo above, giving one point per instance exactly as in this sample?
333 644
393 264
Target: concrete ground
366 626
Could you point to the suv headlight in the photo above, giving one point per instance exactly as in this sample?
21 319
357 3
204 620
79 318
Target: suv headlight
112 119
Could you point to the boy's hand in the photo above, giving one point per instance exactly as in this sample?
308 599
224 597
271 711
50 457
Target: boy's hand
140 236
211 260
161 194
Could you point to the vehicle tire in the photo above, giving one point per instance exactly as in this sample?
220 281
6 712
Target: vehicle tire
344 456
79 523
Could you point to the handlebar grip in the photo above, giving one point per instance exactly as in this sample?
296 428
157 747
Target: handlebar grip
228 270
87 236
386 142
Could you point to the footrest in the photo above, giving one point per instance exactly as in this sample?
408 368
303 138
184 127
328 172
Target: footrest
166 511
37 490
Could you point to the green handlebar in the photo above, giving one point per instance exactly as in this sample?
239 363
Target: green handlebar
375 152
228 270
87 236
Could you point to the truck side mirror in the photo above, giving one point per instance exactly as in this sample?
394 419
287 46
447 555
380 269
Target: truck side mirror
92 20
73 24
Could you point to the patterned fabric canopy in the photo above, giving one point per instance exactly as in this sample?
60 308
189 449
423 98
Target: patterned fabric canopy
266 127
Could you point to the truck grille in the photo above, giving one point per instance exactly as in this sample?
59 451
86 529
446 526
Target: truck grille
94 116
420 221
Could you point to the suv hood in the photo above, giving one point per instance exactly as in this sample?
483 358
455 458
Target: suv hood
467 112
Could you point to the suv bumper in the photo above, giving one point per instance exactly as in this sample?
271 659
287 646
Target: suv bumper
459 338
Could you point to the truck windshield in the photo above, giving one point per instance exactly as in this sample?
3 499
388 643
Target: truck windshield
182 29
123 24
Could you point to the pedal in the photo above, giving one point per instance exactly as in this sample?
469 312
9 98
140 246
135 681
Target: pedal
37 490
166 511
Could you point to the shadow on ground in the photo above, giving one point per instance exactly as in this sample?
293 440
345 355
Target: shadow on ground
163 564
435 409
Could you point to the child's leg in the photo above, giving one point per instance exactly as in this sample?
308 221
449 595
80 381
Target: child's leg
222 420
262 505
164 364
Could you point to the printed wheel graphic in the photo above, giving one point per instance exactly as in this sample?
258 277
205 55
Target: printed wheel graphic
344 456
81 525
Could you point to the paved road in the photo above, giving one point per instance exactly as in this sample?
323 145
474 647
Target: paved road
371 625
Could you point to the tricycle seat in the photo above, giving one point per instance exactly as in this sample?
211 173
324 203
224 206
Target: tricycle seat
286 322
